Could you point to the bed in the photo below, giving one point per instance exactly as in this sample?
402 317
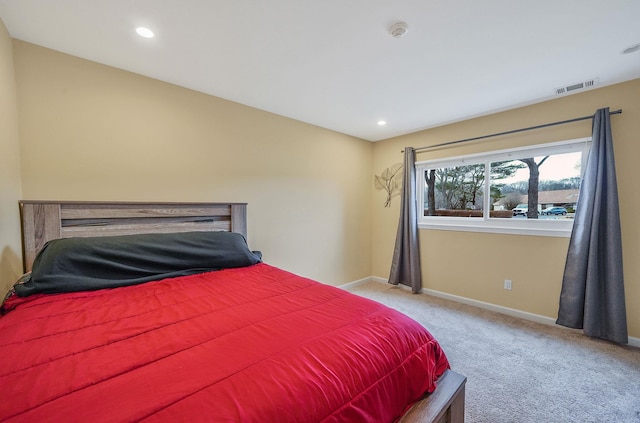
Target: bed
161 312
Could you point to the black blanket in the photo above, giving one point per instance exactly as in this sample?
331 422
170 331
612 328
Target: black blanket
79 264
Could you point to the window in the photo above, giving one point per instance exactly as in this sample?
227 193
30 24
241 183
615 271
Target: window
531 190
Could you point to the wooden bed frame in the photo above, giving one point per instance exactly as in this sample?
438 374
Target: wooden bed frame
46 220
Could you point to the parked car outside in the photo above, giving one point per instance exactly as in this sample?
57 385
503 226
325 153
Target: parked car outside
520 210
555 210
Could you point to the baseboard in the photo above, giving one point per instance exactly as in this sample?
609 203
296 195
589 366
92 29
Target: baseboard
492 307
634 342
360 282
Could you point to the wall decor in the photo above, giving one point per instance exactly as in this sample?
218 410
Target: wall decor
390 180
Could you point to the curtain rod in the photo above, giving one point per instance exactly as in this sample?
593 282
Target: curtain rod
615 112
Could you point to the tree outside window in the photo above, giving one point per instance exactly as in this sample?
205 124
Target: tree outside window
532 183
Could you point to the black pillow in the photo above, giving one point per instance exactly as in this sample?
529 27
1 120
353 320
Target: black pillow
79 264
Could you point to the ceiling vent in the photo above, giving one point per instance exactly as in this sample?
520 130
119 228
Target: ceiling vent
574 87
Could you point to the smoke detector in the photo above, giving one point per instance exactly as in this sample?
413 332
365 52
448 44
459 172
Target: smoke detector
398 29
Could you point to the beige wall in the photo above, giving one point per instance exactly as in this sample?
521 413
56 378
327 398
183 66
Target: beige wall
10 185
92 132
474 265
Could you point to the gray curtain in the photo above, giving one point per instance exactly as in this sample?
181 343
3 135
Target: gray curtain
405 266
592 296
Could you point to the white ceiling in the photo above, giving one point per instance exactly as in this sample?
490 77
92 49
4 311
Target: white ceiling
333 63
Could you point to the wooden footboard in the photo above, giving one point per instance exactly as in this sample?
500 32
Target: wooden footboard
445 405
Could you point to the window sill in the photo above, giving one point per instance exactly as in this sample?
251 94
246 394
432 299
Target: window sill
532 228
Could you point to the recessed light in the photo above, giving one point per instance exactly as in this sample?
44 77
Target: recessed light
382 123
631 49
144 32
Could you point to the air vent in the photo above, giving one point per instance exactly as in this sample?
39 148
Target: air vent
579 86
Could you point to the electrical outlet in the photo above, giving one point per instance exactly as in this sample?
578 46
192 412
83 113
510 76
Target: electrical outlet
507 284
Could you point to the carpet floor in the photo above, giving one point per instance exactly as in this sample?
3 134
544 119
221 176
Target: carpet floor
520 371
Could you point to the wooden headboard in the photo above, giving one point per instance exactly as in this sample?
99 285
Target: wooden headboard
46 220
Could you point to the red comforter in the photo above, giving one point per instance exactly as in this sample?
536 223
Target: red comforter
254 344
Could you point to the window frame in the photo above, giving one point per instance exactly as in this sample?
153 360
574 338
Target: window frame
542 227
